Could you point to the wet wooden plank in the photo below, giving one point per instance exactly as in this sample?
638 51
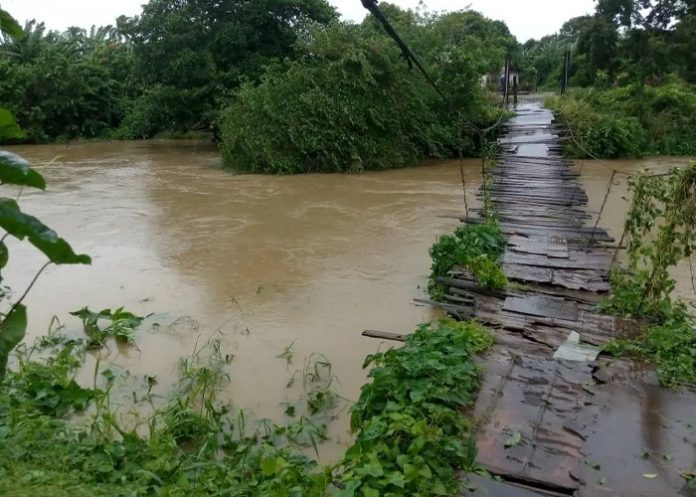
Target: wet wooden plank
384 335
535 397
633 427
542 305
478 486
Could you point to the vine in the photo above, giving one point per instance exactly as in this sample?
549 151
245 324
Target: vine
476 248
660 232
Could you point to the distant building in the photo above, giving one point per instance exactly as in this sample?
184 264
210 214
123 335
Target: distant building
498 79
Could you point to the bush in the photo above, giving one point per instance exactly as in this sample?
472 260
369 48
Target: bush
596 133
477 248
631 120
350 105
412 437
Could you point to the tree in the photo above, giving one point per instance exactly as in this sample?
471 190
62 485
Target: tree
191 54
350 103
64 84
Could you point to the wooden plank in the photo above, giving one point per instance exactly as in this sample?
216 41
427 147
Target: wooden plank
384 335
542 305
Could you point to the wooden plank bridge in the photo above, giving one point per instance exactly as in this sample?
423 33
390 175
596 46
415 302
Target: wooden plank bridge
569 414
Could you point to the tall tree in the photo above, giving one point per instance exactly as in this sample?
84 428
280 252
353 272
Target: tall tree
191 54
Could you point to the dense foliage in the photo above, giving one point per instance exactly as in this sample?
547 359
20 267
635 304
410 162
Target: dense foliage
630 120
476 248
634 60
306 92
412 436
349 103
63 85
660 232
171 69
189 56
623 41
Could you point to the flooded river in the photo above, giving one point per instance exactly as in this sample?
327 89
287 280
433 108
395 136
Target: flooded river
260 262
596 177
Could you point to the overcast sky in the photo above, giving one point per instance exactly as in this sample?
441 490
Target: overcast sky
528 19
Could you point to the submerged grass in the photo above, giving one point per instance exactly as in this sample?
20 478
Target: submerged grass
411 435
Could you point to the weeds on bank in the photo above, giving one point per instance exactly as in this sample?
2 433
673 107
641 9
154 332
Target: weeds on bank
99 326
660 232
411 434
193 446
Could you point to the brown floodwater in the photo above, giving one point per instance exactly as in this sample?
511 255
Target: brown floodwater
260 262
596 176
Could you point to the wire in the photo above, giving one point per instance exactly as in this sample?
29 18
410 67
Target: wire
411 59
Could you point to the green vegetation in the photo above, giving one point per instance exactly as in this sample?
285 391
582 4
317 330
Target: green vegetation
630 120
623 42
660 232
349 103
412 436
475 248
632 69
64 440
121 325
192 446
16 171
286 86
171 69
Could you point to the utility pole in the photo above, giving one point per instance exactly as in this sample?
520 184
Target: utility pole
506 78
566 71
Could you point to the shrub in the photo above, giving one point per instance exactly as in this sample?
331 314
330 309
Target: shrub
350 105
631 120
477 248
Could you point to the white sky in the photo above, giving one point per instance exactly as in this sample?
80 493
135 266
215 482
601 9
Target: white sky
526 19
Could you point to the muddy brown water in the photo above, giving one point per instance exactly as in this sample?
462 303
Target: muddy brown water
261 262
596 176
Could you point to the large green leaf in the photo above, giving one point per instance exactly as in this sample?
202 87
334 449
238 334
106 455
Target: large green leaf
21 225
4 256
15 170
9 26
12 331
9 129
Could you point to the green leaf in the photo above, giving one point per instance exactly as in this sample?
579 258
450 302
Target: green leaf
22 226
15 170
12 331
4 255
514 440
9 129
370 492
9 26
268 467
